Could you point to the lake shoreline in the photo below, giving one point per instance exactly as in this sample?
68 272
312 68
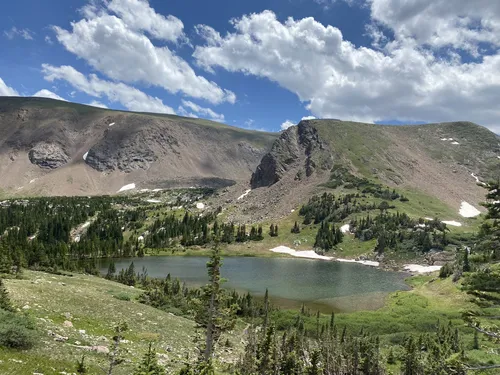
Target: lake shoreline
411 268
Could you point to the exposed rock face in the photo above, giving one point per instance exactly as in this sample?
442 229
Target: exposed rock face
299 147
128 154
48 155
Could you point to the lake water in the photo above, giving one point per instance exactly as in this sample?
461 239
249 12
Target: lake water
320 285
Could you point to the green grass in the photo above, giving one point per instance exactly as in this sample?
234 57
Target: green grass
90 304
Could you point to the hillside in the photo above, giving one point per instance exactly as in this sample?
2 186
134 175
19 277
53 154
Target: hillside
50 147
441 161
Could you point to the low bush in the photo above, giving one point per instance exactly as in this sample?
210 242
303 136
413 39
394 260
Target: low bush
16 330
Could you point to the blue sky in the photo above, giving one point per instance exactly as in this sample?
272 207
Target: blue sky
261 65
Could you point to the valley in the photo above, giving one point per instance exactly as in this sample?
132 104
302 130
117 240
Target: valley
354 241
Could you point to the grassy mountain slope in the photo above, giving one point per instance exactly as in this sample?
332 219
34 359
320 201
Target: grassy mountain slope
94 305
433 163
43 143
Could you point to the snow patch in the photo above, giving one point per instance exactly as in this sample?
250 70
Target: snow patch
455 143
140 238
86 225
156 190
244 194
421 269
468 210
153 201
498 156
365 262
127 187
444 139
450 139
477 179
85 155
310 254
345 228
31 181
111 124
200 206
453 223
144 190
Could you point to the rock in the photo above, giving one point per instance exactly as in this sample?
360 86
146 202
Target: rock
67 324
81 331
48 155
100 349
298 146
26 307
67 315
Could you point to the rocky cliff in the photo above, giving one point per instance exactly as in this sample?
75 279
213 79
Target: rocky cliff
299 148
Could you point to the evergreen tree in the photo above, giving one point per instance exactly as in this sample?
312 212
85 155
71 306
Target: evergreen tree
475 344
296 228
111 271
149 364
466 265
5 303
115 354
214 315
81 368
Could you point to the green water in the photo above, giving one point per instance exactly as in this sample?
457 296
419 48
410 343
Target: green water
291 282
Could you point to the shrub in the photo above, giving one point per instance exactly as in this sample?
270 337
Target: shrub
446 271
122 296
16 331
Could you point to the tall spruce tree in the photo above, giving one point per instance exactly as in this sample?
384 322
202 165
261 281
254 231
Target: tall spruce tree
149 364
213 315
5 303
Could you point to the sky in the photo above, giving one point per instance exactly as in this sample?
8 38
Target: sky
260 64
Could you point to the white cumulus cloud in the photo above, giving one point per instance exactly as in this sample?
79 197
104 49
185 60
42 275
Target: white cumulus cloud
287 124
138 15
205 112
95 103
459 24
336 79
130 97
48 94
7 90
113 40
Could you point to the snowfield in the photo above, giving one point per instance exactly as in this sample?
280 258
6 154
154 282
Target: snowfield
453 223
310 254
345 228
127 187
421 269
365 262
468 210
153 201
244 194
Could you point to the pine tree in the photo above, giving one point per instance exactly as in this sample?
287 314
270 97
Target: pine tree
111 271
115 354
475 344
265 353
296 228
466 265
81 368
213 315
149 364
5 303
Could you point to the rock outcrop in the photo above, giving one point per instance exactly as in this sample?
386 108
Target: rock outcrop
48 155
299 147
